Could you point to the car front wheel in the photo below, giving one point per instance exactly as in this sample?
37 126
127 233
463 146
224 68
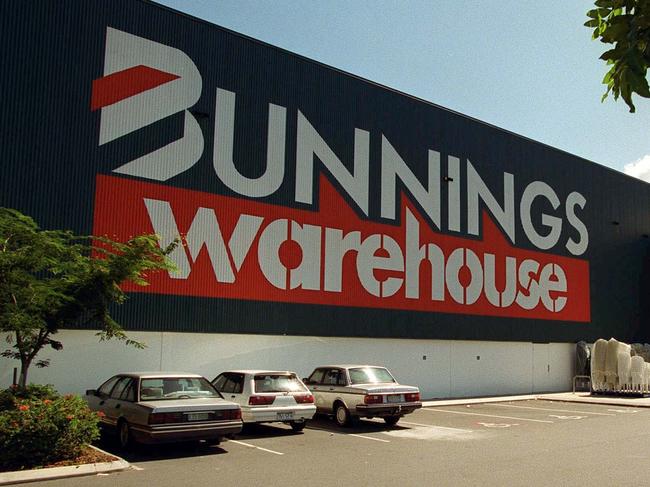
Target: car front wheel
342 415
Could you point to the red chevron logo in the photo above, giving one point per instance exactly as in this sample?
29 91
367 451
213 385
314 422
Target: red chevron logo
124 84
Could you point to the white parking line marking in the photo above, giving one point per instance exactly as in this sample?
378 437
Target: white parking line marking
347 434
624 411
369 438
135 467
565 417
323 429
438 427
256 447
552 409
436 410
498 425
270 451
315 428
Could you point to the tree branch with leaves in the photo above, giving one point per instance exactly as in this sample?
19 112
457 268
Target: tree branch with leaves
625 24
50 279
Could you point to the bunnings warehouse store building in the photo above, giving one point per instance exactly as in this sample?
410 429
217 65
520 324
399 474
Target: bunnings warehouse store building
325 218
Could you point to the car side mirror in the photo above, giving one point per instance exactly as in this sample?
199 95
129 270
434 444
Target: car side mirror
91 392
306 380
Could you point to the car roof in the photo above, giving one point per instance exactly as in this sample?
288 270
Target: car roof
257 371
349 366
159 374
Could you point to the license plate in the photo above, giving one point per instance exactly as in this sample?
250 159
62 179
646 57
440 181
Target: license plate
395 398
285 416
197 416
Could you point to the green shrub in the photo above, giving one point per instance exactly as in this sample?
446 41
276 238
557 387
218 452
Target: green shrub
9 396
41 431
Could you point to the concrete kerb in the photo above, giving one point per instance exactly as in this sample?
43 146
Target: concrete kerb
586 398
578 397
23 476
476 400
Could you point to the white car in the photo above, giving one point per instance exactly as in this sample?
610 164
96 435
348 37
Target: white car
349 392
267 396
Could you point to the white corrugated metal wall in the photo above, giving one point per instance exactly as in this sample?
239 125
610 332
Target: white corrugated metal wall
441 368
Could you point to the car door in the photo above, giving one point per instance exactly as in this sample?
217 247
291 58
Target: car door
315 385
329 388
219 381
345 392
97 402
114 404
129 408
236 393
231 387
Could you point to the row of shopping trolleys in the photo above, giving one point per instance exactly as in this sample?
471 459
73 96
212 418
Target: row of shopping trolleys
615 370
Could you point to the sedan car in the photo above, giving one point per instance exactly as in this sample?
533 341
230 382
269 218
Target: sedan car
268 396
349 392
158 407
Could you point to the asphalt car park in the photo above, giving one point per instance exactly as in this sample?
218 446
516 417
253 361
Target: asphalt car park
532 442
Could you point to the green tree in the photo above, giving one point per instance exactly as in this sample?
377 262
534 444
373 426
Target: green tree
53 278
625 24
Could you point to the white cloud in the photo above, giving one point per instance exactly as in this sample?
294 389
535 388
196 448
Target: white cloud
639 169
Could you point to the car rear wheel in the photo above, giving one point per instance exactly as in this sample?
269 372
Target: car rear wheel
342 415
213 441
391 420
124 434
298 425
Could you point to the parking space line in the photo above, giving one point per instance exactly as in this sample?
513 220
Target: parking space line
437 427
368 438
325 430
347 434
256 447
551 409
436 410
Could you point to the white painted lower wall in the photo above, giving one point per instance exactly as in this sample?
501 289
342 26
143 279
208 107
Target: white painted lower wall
441 368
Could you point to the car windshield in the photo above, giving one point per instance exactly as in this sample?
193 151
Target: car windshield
278 383
370 375
164 388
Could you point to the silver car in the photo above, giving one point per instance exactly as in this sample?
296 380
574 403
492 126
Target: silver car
267 396
159 407
349 392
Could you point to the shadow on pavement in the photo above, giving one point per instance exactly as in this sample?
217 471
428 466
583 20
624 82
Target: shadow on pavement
278 430
267 430
359 426
147 453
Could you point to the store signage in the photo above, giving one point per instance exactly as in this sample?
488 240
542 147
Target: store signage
434 244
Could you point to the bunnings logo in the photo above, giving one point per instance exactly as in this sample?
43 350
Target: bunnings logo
441 240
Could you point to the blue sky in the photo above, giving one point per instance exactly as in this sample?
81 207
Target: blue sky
528 67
